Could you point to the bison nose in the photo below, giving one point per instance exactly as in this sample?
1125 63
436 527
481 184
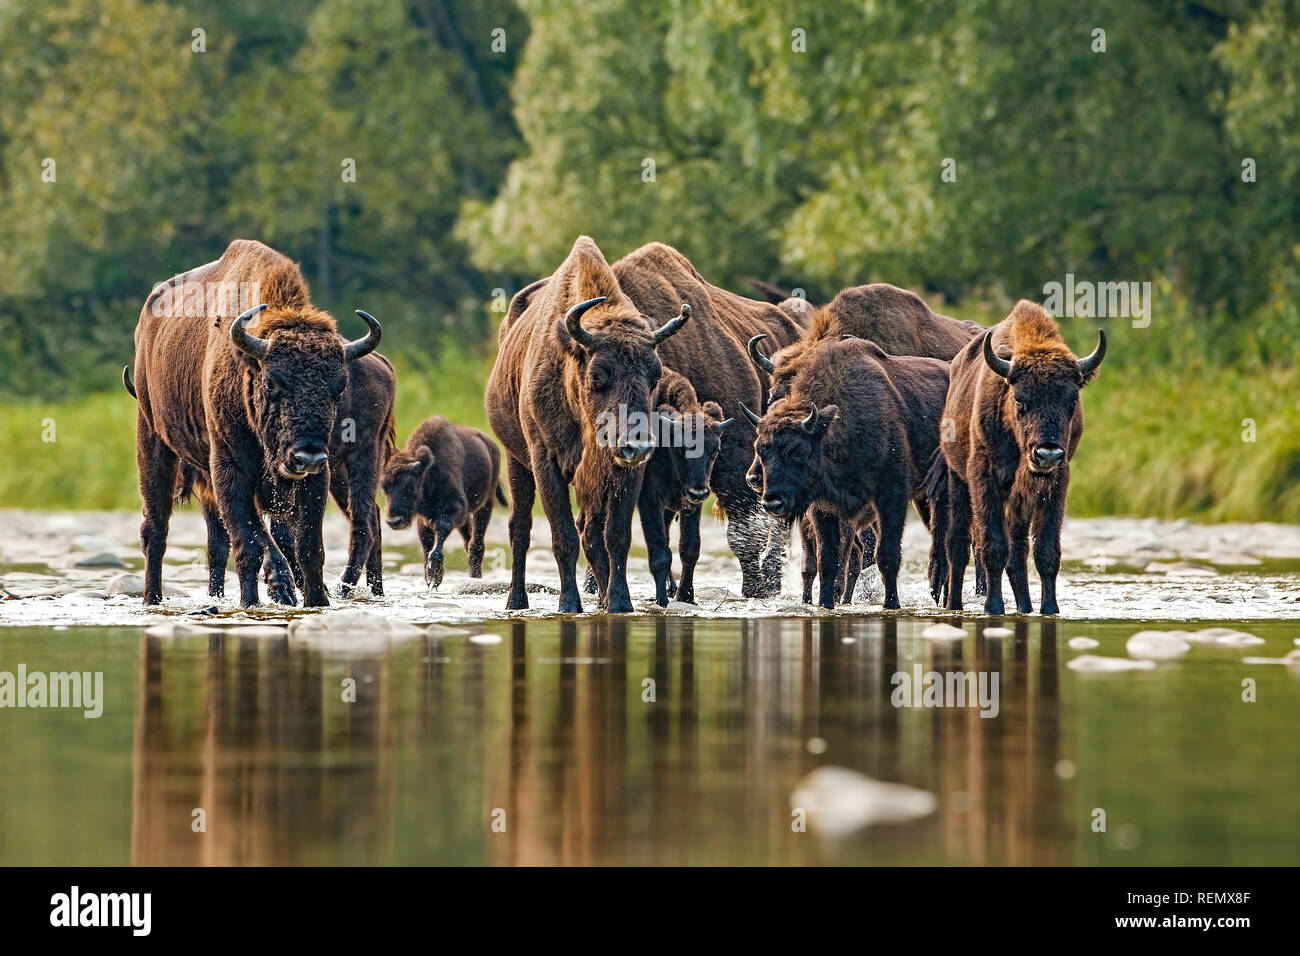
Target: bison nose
754 480
697 494
774 505
635 452
1048 457
398 522
308 459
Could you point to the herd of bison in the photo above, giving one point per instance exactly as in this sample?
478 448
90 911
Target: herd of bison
830 418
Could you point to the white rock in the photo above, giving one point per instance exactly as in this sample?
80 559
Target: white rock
1158 645
943 632
839 801
1083 643
126 583
1092 663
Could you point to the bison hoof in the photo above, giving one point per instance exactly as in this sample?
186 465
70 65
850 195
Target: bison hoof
671 586
517 602
282 593
620 605
433 571
570 604
1050 610
686 595
994 605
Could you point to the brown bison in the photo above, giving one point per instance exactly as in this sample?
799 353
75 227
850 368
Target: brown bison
444 480
710 354
249 404
362 439
900 323
853 440
1017 421
677 482
569 397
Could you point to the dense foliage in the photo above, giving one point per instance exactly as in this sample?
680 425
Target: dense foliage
798 142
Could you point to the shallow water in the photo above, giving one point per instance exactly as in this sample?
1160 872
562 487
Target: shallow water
541 727
688 737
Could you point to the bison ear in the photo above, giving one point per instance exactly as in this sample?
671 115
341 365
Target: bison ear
424 457
824 418
713 410
566 341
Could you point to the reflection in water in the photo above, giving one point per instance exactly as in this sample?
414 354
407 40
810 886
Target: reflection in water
591 741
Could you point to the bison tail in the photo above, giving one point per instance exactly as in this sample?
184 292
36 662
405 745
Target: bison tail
501 496
936 494
127 383
185 485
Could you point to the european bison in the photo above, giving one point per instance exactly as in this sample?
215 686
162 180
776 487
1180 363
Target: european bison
900 323
444 480
1018 422
362 439
677 482
569 397
249 404
853 440
710 354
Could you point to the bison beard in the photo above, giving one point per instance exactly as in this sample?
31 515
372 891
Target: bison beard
853 440
444 479
576 355
249 410
1018 421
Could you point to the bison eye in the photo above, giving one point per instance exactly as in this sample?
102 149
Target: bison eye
1020 407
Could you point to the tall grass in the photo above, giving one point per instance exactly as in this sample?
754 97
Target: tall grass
1166 419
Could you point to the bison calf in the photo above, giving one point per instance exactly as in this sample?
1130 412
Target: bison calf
444 480
1017 424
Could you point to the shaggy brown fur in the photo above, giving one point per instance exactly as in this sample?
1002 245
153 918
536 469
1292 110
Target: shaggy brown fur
551 399
1016 431
444 478
256 430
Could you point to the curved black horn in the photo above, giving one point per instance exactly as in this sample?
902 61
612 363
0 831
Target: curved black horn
991 358
245 341
1088 364
753 419
576 331
847 335
761 361
355 349
126 381
809 424
672 325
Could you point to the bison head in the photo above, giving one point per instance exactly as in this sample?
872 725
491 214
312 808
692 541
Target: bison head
1042 398
617 371
403 484
693 456
789 454
300 374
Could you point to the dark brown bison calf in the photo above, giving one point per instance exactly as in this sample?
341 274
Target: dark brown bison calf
1017 422
677 482
444 480
853 439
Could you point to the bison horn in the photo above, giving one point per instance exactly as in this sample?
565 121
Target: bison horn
724 423
753 419
576 331
761 361
1088 364
354 350
992 359
847 335
245 341
809 424
126 381
672 325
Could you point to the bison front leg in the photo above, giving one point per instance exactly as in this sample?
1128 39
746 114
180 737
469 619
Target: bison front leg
523 491
1018 566
427 536
554 491
957 540
688 544
1046 529
281 569
990 516
218 548
828 558
433 564
308 515
808 535
236 500
891 516
656 542
852 564
157 467
375 558
477 539
618 541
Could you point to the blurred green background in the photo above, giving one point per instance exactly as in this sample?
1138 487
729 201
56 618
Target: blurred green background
799 143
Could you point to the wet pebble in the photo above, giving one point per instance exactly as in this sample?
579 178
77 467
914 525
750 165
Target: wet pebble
1092 663
104 559
1223 635
1082 643
943 632
1158 645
